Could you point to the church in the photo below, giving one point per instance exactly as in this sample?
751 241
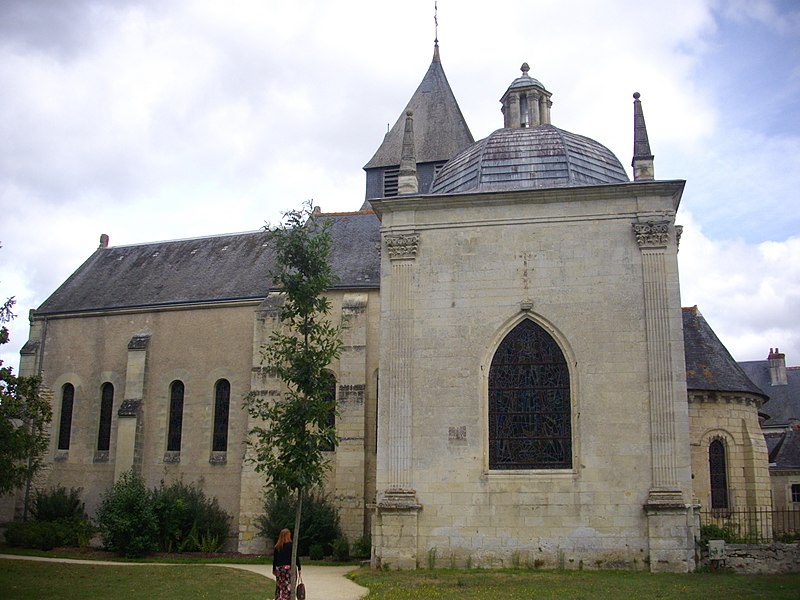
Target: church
518 382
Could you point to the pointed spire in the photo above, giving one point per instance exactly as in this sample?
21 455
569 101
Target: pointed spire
642 162
407 182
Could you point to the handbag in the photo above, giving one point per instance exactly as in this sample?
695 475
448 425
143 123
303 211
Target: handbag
300 592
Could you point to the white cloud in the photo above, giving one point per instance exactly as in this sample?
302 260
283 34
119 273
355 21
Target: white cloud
749 293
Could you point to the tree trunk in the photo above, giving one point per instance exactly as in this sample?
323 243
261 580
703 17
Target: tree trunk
295 542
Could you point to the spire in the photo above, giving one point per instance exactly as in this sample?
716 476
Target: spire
642 162
407 182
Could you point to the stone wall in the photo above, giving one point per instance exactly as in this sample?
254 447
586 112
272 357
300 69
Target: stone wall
753 559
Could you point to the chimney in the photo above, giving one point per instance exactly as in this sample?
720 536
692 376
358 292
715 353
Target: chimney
103 241
777 368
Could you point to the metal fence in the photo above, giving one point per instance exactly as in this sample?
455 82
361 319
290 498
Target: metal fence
751 525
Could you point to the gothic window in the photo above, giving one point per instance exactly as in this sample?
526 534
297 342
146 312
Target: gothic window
529 402
330 396
106 406
719 479
175 416
65 425
222 403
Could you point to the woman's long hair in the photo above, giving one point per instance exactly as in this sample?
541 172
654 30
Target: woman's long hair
285 537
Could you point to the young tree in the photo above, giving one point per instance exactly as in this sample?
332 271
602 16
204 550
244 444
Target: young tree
293 432
24 420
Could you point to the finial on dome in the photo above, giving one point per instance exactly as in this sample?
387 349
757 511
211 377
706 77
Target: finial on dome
525 68
642 162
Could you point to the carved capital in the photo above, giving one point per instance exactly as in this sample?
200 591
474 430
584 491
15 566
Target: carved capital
402 246
653 234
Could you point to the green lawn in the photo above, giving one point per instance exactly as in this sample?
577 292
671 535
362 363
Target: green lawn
23 580
28 580
522 585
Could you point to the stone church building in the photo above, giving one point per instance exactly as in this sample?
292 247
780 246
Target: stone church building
518 380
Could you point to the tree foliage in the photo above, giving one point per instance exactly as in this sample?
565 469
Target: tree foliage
293 433
24 420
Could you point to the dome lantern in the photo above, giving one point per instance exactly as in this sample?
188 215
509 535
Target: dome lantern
526 102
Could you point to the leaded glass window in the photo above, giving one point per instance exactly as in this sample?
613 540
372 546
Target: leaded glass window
106 407
719 478
65 425
175 416
529 402
222 403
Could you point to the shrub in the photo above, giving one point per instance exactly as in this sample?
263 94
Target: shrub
715 532
188 521
56 504
316 552
362 547
341 549
319 521
46 535
126 518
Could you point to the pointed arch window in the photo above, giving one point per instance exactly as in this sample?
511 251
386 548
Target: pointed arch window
106 408
529 402
176 390
717 468
222 404
65 424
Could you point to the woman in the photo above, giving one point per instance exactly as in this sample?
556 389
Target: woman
282 565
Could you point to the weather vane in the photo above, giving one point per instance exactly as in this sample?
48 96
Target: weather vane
435 21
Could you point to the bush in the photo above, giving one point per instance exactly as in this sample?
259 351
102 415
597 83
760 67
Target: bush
56 504
126 518
188 521
341 549
316 552
362 547
46 535
319 521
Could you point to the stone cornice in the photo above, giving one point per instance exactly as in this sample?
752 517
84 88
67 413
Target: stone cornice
633 189
709 397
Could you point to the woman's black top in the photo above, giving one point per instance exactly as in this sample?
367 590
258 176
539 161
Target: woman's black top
283 557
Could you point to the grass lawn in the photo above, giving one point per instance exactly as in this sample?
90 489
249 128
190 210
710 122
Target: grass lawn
476 584
27 580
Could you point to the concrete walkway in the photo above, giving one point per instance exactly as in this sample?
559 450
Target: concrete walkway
322 583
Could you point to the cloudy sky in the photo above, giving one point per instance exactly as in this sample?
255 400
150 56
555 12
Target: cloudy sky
151 120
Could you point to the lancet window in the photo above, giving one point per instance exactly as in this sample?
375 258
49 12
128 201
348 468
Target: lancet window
717 467
529 402
175 416
65 425
222 403
106 409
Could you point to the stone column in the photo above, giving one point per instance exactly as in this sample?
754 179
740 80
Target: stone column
669 527
533 110
130 424
397 508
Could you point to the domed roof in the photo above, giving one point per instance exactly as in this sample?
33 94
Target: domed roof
529 158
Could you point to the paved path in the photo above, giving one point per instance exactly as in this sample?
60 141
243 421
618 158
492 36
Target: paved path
322 583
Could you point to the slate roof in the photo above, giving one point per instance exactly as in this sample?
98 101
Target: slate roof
440 131
210 269
709 365
784 453
784 400
527 158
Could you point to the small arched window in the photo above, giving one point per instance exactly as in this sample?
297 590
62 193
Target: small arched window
717 468
222 403
529 402
65 425
106 407
175 416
